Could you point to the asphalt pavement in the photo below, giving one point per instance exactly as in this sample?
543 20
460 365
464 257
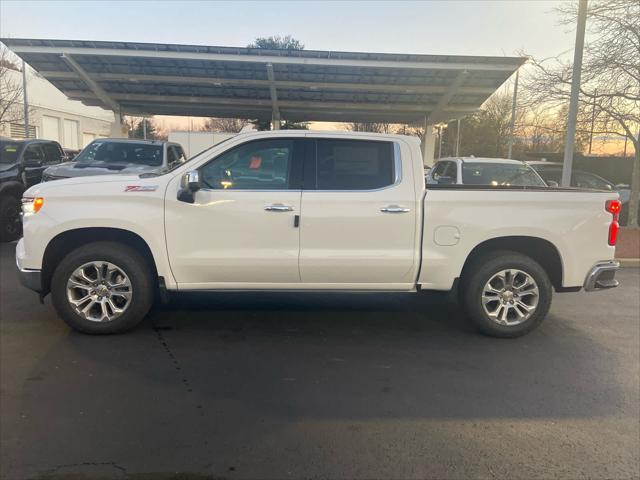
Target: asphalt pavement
317 386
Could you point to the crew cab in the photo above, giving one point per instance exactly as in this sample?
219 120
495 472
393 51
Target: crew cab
311 211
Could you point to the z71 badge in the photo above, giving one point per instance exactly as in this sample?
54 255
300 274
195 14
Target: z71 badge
140 188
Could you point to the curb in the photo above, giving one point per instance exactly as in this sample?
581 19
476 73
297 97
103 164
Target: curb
629 262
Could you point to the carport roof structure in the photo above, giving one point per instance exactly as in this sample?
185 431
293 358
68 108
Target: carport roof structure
297 85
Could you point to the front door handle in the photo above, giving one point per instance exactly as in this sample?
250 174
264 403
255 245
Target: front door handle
278 207
394 209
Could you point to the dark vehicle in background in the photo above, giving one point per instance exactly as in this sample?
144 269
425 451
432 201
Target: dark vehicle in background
483 171
108 156
21 165
71 153
552 172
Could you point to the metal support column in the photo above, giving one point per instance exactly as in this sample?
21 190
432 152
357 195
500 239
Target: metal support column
428 143
275 109
512 127
25 99
575 90
458 139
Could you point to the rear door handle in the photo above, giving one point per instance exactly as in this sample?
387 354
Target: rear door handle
278 207
394 209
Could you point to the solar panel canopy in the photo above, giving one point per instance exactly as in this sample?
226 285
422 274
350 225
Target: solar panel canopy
295 85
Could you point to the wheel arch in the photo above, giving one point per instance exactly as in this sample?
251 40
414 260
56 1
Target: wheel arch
65 242
542 251
13 188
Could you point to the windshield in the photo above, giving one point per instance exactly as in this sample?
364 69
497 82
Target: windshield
110 153
500 174
9 152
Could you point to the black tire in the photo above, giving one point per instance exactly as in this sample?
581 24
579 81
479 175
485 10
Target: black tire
482 270
128 260
10 222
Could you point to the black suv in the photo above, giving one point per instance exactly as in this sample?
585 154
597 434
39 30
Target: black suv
21 165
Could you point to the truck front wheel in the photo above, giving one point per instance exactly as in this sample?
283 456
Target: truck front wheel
506 294
102 288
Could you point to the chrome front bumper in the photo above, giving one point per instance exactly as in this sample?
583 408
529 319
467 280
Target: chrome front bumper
602 276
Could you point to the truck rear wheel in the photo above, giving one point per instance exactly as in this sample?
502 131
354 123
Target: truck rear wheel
506 294
10 223
102 288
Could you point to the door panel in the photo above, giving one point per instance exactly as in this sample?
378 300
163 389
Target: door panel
228 236
359 236
241 226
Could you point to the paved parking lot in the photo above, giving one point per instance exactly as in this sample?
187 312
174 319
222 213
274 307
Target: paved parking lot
350 386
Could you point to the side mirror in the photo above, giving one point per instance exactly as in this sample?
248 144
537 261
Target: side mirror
189 185
553 184
446 181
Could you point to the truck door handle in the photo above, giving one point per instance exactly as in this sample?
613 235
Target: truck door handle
394 209
278 207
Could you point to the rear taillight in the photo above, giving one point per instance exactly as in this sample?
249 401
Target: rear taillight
613 207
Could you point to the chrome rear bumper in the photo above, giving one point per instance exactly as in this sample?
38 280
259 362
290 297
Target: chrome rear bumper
602 276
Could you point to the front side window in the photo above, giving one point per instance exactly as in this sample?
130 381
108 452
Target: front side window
438 170
116 153
52 153
259 165
353 164
33 152
500 174
550 174
175 156
585 180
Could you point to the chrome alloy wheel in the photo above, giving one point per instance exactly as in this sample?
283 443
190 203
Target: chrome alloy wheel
510 297
99 291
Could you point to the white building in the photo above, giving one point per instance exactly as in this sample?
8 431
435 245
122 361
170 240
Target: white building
54 117
194 142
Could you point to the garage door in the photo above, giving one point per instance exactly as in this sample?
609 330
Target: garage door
87 138
51 128
70 134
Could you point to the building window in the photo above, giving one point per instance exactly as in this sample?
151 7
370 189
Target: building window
16 130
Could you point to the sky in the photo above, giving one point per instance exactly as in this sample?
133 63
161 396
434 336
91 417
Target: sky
454 27
431 27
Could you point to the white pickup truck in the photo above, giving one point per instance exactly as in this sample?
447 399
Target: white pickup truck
311 211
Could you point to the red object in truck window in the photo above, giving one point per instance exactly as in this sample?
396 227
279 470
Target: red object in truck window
255 163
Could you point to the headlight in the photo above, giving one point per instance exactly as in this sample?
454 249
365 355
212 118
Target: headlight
31 205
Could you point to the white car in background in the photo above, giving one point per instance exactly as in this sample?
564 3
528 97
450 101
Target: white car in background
484 171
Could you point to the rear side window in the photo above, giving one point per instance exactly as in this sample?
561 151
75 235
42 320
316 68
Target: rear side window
353 164
9 152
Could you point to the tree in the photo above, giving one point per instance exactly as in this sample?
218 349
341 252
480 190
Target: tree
371 127
230 125
276 42
137 128
610 86
11 91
